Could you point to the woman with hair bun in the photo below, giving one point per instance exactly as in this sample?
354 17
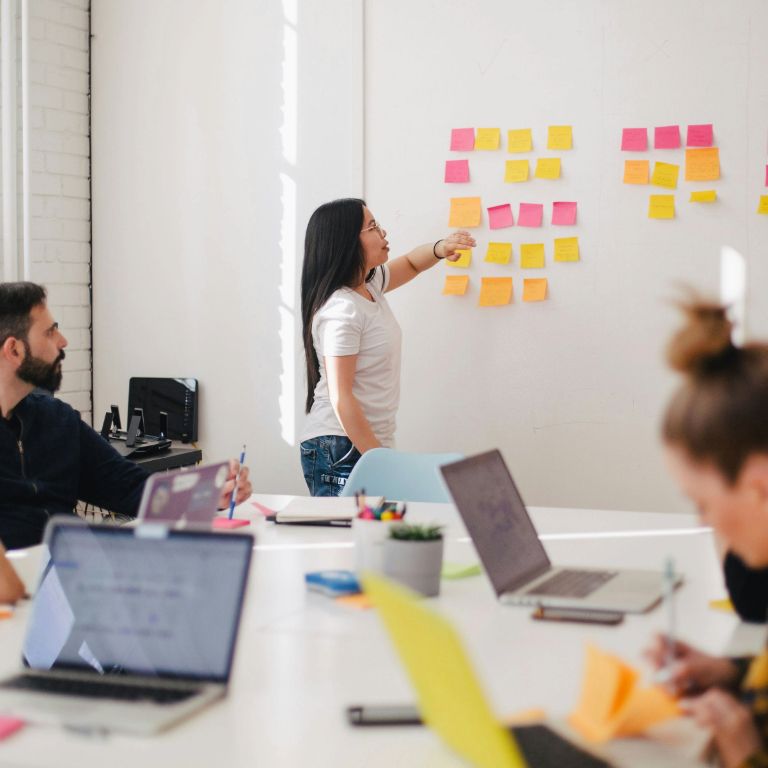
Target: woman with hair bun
715 433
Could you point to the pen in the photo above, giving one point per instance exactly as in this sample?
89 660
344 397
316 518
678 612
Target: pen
234 489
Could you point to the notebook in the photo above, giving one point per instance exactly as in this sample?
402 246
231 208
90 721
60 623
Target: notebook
451 700
514 558
131 629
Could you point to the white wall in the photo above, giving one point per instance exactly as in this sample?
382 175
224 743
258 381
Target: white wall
217 129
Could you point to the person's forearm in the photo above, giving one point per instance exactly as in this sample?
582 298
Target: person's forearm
354 423
423 257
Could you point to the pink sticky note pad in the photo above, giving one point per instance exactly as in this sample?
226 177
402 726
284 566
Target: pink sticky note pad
500 216
766 175
564 214
266 511
225 524
666 137
699 136
462 139
9 725
456 171
634 140
531 215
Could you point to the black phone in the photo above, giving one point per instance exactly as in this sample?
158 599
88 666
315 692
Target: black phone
384 714
585 615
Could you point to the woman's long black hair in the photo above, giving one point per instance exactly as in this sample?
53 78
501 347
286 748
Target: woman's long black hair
333 259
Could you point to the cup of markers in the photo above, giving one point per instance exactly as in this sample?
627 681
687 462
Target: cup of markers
371 529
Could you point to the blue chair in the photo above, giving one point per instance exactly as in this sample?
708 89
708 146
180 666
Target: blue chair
400 476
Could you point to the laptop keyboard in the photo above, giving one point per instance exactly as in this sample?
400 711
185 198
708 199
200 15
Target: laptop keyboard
543 748
572 583
98 690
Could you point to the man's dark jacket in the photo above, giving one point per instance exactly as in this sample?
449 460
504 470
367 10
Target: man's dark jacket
49 458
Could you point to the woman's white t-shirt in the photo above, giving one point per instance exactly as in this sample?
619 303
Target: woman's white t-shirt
349 324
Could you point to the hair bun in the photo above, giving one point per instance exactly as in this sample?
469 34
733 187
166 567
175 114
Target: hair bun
704 342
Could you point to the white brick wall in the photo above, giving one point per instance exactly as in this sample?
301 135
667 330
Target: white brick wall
60 171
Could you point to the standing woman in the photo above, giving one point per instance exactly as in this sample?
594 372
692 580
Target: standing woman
351 338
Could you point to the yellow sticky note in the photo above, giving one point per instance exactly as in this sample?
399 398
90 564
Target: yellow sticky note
703 196
566 249
499 253
762 206
723 604
548 168
464 260
636 171
455 285
532 255
560 137
495 291
661 207
535 289
487 138
519 140
465 212
665 175
702 164
516 170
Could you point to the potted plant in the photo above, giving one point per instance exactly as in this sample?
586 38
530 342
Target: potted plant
413 555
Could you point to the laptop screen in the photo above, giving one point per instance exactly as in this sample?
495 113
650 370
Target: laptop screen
496 518
136 601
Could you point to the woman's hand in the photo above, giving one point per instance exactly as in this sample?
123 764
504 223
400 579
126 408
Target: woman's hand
730 723
691 670
244 488
446 248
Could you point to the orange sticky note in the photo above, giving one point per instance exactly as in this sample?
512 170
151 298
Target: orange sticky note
702 164
519 140
499 253
487 138
516 170
361 602
535 289
665 175
495 291
560 137
661 207
465 212
636 171
762 206
532 255
566 249
548 168
455 285
464 260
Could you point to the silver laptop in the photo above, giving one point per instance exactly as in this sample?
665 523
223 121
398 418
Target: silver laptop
131 629
514 558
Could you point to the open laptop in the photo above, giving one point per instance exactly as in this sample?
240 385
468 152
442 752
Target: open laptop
514 558
131 629
451 700
184 497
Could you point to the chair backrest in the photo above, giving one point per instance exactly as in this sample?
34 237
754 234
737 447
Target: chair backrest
400 476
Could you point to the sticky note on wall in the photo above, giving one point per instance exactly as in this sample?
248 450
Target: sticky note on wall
495 291
661 207
499 253
563 214
702 164
636 171
634 140
519 140
464 260
666 137
548 168
566 249
456 171
531 215
532 255
560 137
500 216
455 285
488 138
535 289
699 135
703 196
516 170
665 175
762 206
465 212
462 139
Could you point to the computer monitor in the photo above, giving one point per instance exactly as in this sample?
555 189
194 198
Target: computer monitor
177 397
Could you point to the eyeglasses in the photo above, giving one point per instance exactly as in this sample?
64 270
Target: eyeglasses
375 225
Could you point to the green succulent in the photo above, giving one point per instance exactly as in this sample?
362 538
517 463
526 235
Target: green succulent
409 532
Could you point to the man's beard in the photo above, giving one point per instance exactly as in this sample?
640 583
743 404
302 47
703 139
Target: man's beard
39 373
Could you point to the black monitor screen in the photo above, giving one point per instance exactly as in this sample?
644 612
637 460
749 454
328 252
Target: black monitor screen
177 397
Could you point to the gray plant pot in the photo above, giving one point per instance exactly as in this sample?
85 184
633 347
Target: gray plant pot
416 564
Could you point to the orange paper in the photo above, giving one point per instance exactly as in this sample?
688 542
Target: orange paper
495 291
636 171
535 289
702 164
455 285
465 212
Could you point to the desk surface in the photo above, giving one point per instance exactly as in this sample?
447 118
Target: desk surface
302 658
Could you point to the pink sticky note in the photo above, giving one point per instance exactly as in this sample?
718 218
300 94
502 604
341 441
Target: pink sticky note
456 171
634 140
766 175
462 139
500 216
266 511
699 135
564 214
666 137
227 524
9 725
530 215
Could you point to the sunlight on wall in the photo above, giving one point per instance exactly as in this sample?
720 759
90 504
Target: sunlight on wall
733 289
287 308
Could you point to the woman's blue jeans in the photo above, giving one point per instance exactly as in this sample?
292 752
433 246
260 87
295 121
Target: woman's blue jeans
326 462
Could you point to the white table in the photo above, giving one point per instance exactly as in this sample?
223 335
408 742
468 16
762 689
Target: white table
302 658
